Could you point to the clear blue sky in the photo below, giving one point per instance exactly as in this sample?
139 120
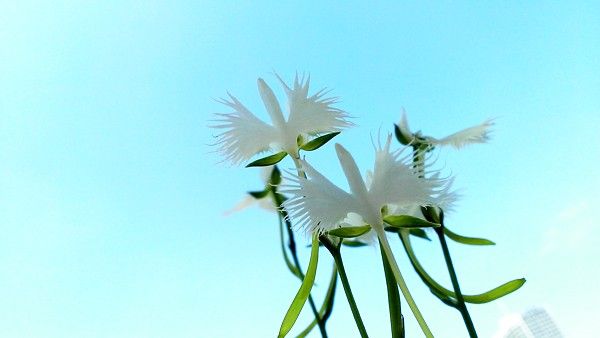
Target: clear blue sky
111 201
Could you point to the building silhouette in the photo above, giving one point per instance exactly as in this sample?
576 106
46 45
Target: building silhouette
534 323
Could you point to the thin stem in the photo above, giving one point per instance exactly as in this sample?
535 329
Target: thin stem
401 283
461 305
337 257
396 318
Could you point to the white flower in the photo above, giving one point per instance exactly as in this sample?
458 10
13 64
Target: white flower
475 134
245 135
320 205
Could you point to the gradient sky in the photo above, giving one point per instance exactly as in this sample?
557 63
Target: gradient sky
112 202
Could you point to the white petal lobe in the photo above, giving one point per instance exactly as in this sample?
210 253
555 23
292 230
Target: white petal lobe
395 181
475 134
313 114
244 134
317 203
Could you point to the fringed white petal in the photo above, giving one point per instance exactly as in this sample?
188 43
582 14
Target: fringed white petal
312 114
244 134
396 181
475 134
316 204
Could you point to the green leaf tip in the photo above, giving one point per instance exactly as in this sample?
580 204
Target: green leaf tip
319 141
419 233
350 232
267 161
467 240
353 243
259 194
501 291
407 222
300 299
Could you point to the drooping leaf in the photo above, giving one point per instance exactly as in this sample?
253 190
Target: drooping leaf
269 160
318 142
350 232
407 222
496 293
300 299
467 240
443 293
419 233
259 194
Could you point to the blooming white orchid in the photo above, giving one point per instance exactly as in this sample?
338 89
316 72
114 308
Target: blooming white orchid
474 134
320 205
245 135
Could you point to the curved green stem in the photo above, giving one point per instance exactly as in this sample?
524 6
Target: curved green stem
401 283
337 257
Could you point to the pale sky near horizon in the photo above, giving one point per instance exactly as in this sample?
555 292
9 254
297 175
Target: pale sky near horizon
112 200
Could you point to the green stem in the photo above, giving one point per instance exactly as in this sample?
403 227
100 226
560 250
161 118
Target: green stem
396 318
461 305
401 283
337 257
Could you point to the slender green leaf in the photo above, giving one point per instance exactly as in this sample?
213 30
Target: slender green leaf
350 232
327 307
318 142
419 233
467 240
304 291
496 293
269 160
259 194
353 243
406 221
